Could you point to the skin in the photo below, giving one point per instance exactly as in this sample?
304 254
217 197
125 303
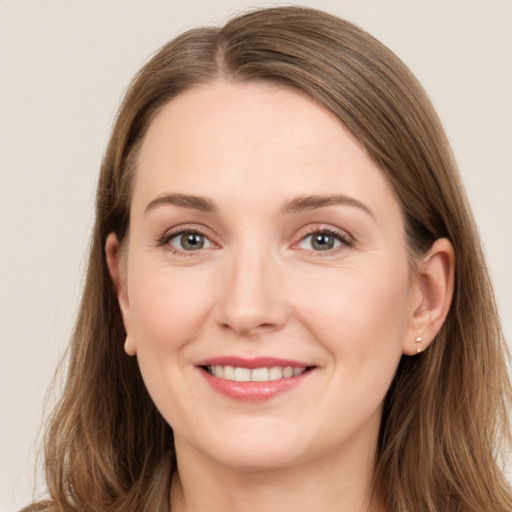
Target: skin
258 287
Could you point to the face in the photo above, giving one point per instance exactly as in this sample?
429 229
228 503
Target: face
265 288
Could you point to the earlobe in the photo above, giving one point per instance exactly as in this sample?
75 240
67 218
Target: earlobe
129 346
116 268
435 283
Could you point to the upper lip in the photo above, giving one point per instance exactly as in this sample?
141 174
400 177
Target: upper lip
253 362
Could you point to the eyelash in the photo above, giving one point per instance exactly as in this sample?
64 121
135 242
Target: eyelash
339 235
164 241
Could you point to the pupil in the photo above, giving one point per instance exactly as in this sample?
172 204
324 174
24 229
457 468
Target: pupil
323 242
192 241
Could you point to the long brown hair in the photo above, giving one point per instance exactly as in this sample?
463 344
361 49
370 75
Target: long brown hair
107 447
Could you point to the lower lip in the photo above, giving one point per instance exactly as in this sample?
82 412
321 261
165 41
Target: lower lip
253 391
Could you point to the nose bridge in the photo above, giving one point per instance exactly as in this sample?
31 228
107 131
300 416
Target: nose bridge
251 298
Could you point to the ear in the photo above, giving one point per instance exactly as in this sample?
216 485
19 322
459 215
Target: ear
432 297
117 268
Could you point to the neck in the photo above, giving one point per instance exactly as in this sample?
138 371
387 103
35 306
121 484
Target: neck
337 482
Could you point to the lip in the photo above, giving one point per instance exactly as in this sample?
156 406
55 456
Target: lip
251 363
253 391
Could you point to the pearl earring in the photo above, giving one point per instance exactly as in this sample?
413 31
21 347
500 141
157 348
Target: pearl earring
418 339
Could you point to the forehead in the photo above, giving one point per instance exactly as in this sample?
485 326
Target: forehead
252 115
250 141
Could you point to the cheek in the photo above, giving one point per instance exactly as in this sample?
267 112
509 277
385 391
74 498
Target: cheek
168 307
356 312
168 310
360 320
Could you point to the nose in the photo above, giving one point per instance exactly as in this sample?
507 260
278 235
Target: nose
252 300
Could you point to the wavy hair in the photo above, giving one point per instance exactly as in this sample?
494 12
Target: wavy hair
445 418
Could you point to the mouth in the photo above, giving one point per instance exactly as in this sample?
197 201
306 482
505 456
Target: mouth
253 380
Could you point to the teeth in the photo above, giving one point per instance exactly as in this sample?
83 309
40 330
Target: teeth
228 373
288 372
239 374
242 375
259 375
275 373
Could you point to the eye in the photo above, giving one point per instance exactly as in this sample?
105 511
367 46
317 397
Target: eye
321 241
189 241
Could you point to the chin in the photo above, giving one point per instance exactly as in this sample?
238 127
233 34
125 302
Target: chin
259 458
249 450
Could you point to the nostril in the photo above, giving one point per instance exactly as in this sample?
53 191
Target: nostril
249 329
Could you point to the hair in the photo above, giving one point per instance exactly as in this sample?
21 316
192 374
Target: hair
445 417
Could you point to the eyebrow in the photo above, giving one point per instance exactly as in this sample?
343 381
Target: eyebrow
296 205
305 203
202 204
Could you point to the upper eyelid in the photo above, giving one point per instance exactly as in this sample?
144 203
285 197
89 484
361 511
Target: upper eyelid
186 228
335 231
179 230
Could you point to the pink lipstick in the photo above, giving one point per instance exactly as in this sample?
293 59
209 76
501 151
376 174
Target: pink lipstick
253 379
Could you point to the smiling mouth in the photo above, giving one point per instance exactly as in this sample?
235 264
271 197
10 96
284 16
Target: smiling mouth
264 374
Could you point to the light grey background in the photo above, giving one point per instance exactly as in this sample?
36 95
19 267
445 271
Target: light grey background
63 67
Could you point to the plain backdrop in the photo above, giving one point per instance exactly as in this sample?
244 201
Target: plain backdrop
64 65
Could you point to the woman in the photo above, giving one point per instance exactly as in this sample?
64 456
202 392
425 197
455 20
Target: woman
286 303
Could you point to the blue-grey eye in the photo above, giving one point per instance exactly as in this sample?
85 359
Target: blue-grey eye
189 241
320 241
